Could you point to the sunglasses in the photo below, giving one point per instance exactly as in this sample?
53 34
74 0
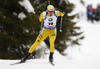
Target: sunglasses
50 11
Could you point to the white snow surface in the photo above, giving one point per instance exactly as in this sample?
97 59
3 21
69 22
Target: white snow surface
86 56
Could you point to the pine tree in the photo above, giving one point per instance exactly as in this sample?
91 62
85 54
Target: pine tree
15 33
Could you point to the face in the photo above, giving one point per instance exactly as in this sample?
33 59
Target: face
50 13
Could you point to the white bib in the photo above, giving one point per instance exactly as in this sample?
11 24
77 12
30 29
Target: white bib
49 22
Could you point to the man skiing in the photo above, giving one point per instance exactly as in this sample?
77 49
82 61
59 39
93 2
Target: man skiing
49 30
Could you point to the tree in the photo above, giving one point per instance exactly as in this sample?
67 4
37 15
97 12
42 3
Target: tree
15 33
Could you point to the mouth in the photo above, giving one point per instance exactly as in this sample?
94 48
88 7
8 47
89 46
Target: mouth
51 14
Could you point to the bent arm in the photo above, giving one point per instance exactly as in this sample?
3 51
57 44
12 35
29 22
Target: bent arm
59 14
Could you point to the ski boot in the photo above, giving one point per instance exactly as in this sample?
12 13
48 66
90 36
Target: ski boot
25 58
51 57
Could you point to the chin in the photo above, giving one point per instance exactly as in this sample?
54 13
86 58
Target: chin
50 15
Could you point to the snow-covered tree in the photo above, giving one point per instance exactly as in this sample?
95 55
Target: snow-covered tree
17 29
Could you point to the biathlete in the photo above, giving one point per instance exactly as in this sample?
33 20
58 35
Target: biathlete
49 30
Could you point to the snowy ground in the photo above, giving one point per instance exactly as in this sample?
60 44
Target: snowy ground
86 56
44 64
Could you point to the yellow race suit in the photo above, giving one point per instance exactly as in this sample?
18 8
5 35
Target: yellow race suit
49 30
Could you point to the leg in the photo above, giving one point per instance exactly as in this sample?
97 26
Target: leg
52 37
39 39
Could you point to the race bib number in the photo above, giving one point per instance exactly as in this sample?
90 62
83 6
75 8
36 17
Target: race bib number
50 23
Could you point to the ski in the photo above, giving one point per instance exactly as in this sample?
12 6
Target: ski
52 63
17 63
24 62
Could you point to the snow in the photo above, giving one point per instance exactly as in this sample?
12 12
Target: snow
91 44
21 15
27 5
44 64
86 56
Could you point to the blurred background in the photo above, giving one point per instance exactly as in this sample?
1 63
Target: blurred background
19 27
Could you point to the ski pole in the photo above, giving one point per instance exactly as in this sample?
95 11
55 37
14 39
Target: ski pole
41 27
61 25
49 2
